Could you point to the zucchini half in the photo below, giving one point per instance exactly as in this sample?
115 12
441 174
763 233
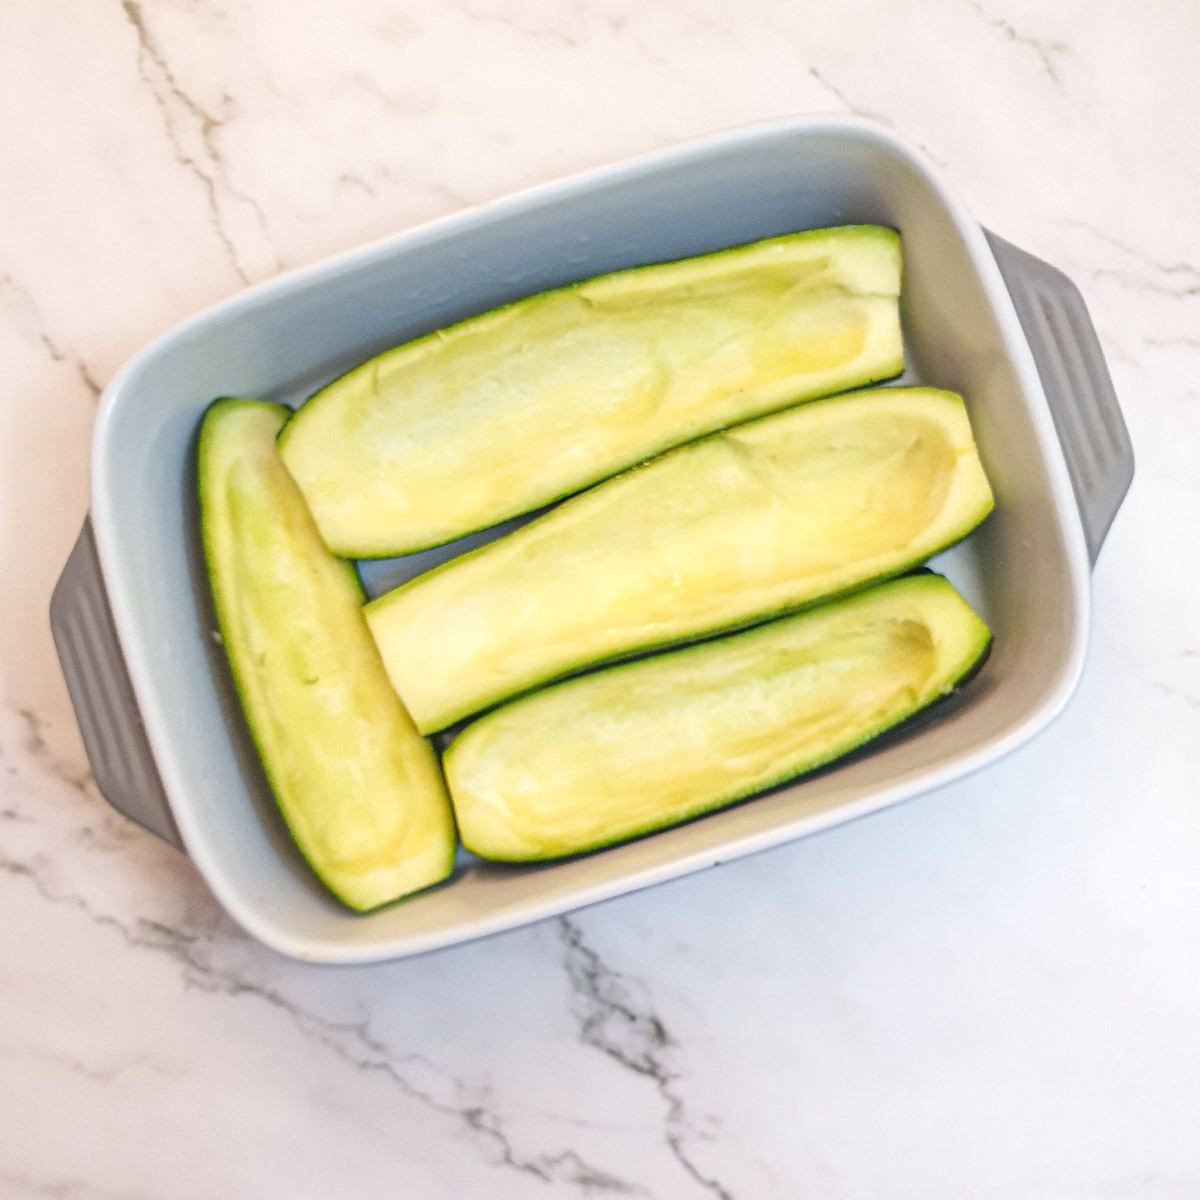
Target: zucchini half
510 410
359 788
637 747
727 531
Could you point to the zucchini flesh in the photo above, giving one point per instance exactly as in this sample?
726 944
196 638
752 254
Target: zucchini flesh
729 530
359 788
510 410
637 747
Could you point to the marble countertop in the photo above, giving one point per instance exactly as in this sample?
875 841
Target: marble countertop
991 991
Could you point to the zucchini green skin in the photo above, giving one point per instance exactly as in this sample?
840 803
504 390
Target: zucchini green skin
644 745
733 529
359 788
508 411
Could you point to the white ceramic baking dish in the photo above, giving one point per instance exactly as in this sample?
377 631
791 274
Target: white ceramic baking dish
132 618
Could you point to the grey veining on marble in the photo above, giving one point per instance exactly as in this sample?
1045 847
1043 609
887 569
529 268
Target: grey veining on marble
990 991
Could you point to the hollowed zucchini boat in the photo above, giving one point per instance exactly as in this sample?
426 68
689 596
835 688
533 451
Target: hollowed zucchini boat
640 746
510 410
358 786
727 531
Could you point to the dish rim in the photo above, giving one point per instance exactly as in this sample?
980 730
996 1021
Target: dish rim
120 585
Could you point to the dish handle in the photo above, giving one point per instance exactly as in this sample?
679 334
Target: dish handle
101 693
1082 401
1077 384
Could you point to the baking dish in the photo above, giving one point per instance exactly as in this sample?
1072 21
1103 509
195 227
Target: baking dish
132 619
